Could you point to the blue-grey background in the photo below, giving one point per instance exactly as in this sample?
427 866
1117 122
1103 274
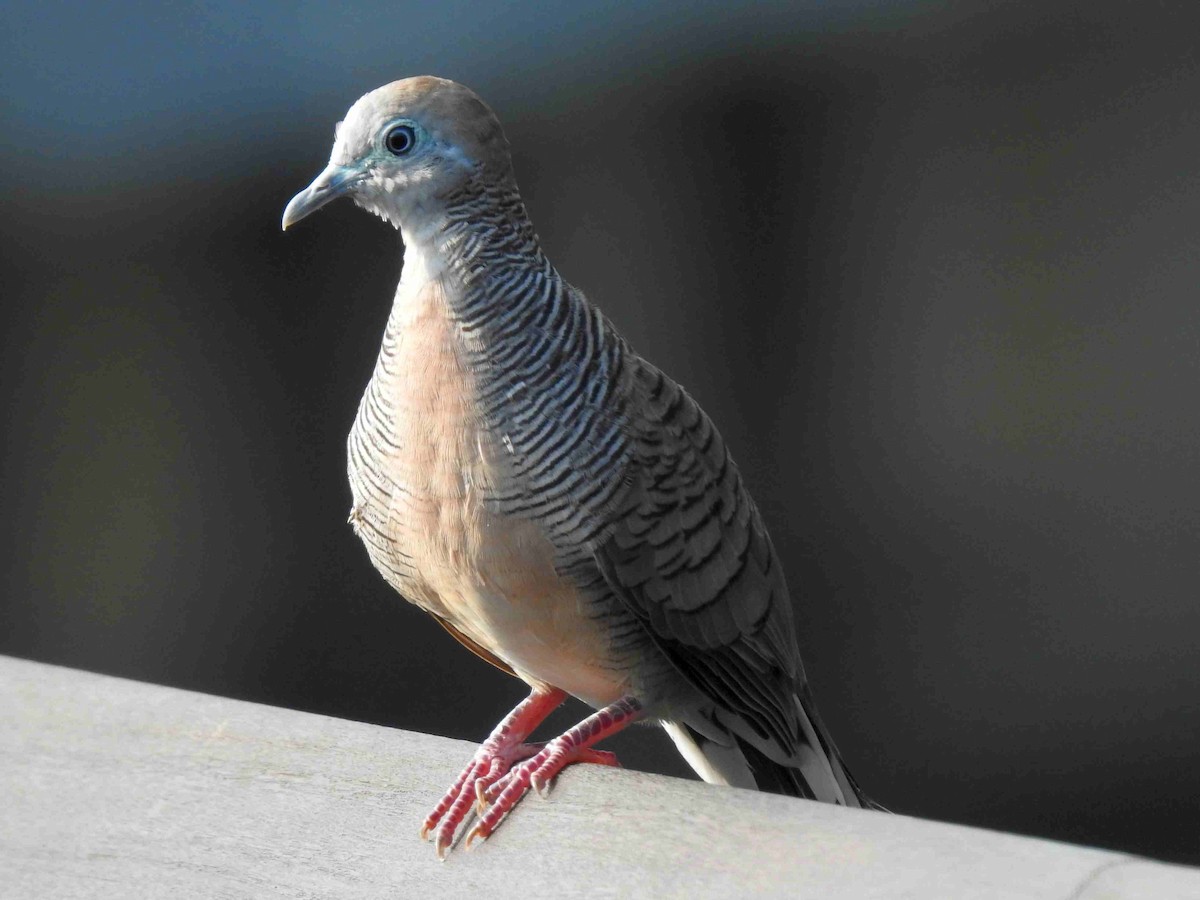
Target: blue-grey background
932 267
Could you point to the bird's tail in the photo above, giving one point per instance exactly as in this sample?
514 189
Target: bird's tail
813 770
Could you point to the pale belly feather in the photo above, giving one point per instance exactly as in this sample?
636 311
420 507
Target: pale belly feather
421 466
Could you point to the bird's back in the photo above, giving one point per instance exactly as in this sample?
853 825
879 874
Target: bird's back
522 474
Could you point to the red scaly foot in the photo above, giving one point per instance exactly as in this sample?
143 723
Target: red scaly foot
494 758
537 771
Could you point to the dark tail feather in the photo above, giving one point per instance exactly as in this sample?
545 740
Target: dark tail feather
775 778
812 768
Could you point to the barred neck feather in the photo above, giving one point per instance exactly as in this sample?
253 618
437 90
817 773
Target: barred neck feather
487 243
551 374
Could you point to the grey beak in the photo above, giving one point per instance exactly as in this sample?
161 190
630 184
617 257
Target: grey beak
334 182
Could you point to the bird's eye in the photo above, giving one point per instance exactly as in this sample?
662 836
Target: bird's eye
400 139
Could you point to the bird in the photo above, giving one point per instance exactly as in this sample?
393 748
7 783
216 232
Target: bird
557 503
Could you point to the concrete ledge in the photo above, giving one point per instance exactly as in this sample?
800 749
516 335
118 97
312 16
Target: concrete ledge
110 788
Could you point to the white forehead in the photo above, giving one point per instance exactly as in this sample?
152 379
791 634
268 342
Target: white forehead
353 135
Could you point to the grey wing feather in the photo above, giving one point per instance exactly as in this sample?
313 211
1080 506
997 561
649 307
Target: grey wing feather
688 554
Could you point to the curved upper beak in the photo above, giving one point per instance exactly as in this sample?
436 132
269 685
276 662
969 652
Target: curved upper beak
334 182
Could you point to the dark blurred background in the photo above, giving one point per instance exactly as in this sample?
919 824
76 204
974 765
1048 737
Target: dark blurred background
932 268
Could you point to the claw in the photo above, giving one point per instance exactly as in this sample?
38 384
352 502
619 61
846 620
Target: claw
494 758
504 767
480 799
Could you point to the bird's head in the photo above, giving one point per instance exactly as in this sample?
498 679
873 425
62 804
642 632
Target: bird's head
406 147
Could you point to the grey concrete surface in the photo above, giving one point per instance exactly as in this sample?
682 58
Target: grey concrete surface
113 788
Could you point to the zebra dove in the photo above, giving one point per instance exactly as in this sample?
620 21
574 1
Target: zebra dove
560 505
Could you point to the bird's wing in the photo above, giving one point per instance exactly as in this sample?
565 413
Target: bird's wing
687 553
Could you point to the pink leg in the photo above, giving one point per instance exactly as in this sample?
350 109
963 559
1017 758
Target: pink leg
538 770
495 756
